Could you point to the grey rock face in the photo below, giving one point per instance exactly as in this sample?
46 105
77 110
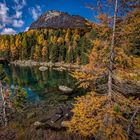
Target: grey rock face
57 19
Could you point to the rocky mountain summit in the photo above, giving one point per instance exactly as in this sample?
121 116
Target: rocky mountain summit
57 19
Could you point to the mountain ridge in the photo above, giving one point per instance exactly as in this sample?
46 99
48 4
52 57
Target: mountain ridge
58 19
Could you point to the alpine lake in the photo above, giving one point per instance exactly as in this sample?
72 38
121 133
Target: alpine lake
41 86
46 107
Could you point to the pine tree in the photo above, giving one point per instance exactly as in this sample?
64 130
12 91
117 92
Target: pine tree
37 53
24 53
54 53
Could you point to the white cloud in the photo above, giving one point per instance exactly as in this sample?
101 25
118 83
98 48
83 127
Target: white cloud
24 2
19 4
16 1
18 14
4 17
18 23
26 29
13 20
35 12
1 26
3 9
8 31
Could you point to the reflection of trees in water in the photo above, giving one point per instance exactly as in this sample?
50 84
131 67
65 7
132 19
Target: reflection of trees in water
14 76
37 80
19 98
9 102
44 76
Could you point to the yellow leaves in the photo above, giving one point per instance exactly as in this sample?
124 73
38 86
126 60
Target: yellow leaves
98 115
103 18
60 40
37 53
14 52
94 115
98 60
30 32
53 39
97 42
81 75
40 39
44 53
122 60
18 41
132 23
131 75
76 37
67 37
136 62
83 78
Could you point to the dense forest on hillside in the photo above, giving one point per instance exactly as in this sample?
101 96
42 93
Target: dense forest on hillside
55 45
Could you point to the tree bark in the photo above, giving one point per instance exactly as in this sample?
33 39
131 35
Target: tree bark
112 51
4 105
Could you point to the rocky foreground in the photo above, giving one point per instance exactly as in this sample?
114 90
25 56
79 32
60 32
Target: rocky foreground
60 66
39 121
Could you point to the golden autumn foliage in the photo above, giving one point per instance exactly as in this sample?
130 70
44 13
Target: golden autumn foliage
131 27
99 51
105 119
114 117
60 40
37 53
44 53
126 65
83 79
97 66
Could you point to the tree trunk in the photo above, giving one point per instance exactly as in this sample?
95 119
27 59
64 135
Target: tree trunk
4 105
112 51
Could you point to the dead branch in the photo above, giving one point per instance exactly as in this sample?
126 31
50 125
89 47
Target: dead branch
131 120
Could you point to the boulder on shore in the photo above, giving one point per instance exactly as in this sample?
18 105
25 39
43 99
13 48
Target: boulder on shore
42 68
65 89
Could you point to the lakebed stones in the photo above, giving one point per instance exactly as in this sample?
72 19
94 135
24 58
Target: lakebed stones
65 89
25 63
42 68
38 124
59 66
53 118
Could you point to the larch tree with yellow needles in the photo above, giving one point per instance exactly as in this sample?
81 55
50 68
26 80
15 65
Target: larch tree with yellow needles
111 116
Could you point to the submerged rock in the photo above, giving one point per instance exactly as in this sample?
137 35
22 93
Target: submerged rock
42 68
37 124
65 89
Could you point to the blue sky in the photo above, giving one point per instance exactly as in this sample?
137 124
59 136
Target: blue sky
17 15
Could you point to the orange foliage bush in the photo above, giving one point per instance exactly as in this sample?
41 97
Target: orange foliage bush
99 116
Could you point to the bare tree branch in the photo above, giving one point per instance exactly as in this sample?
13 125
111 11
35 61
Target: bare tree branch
131 120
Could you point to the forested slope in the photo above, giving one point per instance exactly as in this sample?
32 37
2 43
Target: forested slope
56 45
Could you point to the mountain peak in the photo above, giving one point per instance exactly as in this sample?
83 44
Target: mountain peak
51 14
57 19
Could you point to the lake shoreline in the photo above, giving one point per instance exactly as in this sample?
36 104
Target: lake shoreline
60 66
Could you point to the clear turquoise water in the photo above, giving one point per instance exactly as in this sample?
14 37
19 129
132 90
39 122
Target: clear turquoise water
40 86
